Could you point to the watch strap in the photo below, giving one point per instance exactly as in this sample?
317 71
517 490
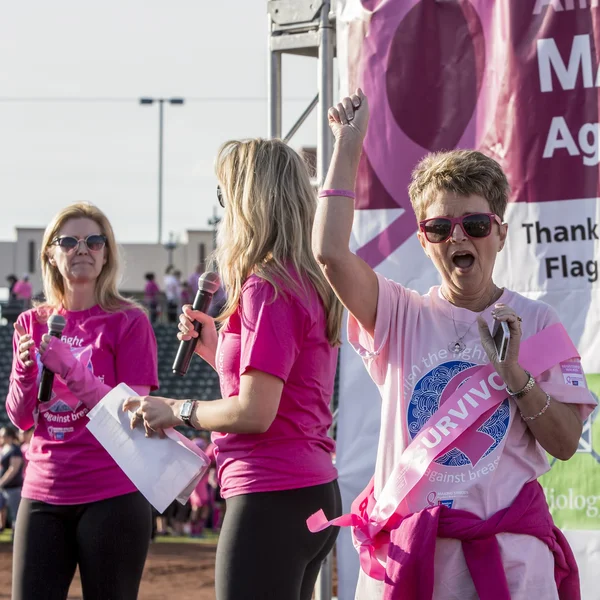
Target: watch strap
187 419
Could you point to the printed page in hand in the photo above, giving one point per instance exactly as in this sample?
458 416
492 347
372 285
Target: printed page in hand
162 469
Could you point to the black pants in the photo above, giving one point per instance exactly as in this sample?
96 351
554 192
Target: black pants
107 539
266 551
172 312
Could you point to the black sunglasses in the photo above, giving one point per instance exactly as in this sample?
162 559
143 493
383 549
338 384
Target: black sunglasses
68 243
220 197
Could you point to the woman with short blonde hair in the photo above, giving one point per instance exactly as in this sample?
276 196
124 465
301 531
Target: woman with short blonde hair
454 509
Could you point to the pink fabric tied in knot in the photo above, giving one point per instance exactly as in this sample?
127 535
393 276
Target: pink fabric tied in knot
372 548
409 572
402 554
370 539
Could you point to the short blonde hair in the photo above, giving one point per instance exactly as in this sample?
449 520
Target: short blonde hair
267 226
461 172
107 293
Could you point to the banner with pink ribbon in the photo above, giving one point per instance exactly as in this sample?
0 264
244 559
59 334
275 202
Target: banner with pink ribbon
518 81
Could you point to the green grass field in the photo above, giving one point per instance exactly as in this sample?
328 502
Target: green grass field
208 538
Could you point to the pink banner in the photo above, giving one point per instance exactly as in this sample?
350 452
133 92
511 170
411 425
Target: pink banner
517 80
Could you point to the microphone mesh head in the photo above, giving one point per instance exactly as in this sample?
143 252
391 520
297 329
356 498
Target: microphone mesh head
209 282
56 323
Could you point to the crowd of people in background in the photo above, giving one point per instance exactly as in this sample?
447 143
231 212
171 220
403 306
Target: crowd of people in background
13 460
20 292
177 293
202 513
204 510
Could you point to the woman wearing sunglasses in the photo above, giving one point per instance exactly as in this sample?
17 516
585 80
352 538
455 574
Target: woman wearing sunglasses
421 350
276 356
78 507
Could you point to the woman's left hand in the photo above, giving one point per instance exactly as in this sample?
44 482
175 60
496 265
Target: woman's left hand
156 413
56 355
502 312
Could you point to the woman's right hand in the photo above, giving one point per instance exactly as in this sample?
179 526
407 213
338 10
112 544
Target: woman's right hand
349 119
206 347
26 347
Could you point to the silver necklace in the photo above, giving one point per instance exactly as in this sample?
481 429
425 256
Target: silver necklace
457 347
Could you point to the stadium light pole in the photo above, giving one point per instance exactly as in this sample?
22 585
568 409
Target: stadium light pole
214 223
160 101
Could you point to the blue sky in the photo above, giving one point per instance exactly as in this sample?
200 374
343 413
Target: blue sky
100 145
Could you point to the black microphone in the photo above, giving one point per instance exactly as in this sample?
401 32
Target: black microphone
208 284
56 324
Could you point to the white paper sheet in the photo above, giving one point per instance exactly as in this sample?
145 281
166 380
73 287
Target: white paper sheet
163 470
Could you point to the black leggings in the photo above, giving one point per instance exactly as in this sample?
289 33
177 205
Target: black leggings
107 539
266 551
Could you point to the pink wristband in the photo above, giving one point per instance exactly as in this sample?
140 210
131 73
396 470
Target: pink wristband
346 193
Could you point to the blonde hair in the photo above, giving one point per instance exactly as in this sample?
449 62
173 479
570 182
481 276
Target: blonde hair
462 172
107 293
269 211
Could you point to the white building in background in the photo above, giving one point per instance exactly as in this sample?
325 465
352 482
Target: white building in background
22 256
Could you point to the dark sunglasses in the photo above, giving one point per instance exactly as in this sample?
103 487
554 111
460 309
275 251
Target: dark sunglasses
476 225
68 243
220 196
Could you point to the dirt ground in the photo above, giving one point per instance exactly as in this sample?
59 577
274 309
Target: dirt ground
186 569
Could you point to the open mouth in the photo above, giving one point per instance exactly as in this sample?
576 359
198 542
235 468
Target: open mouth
463 260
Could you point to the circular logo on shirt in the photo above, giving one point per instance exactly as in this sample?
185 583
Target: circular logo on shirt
432 390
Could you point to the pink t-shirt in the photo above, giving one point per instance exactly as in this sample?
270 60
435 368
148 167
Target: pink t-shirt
200 495
287 338
151 291
410 362
23 290
66 464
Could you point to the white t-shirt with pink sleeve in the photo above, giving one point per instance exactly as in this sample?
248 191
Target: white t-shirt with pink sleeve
66 464
285 337
410 362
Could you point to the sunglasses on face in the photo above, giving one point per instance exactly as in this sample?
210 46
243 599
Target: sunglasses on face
475 225
68 243
220 196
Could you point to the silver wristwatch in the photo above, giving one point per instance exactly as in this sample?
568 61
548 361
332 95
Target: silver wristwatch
186 411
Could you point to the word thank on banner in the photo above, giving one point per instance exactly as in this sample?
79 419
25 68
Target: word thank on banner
563 266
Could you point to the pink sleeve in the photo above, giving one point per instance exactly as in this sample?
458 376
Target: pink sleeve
374 351
566 381
136 363
21 401
271 330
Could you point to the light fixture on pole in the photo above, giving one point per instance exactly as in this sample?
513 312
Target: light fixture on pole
214 223
160 102
170 247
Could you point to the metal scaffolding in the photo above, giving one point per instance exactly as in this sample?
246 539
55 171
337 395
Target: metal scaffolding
305 28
